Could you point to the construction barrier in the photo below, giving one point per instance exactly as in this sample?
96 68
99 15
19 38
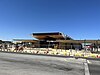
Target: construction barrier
93 55
78 55
50 51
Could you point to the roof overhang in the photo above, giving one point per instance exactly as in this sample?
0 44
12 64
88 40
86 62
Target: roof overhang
25 40
52 35
79 41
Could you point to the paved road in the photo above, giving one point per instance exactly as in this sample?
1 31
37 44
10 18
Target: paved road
20 64
94 67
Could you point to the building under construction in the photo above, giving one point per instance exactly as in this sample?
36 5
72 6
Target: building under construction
51 40
58 40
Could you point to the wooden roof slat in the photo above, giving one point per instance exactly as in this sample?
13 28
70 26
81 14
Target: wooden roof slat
23 40
79 41
53 36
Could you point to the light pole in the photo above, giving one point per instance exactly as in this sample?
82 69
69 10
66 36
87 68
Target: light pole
84 44
97 45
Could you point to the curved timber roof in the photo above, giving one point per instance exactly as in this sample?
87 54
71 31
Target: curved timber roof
50 36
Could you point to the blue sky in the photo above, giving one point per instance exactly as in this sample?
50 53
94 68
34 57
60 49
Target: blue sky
79 19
